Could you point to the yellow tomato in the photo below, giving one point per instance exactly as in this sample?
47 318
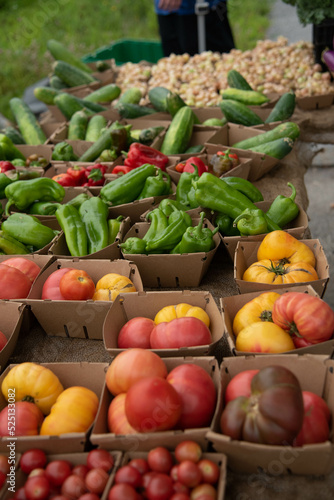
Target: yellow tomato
282 246
276 273
111 285
264 337
182 310
257 309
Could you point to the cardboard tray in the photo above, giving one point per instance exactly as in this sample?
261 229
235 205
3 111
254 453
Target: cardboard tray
296 228
86 374
231 305
12 315
75 318
44 150
245 255
101 437
315 374
171 270
147 304
315 101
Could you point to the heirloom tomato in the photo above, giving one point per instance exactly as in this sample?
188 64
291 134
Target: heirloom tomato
76 284
275 272
14 284
182 310
28 267
274 412
282 246
136 333
50 288
116 418
258 309
111 285
28 420
180 332
239 385
264 337
317 416
305 316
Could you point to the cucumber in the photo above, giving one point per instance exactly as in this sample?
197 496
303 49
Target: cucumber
215 122
91 106
46 94
14 135
26 121
107 93
71 75
287 129
194 149
175 102
60 52
147 135
94 128
237 112
179 132
237 81
77 126
283 109
57 83
131 96
277 148
94 151
130 110
67 104
249 97
158 98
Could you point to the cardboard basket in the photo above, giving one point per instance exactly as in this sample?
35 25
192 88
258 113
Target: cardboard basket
43 150
171 270
315 101
12 315
245 255
315 374
147 304
231 305
85 374
101 436
296 228
75 318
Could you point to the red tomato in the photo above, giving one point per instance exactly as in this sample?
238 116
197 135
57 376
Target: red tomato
204 491
117 421
197 392
37 488
173 472
101 459
122 491
160 459
152 404
305 316
28 420
77 285
189 474
3 340
57 471
87 496
129 475
50 288
20 494
188 450
180 332
160 487
180 488
140 464
80 470
73 487
3 478
14 284
210 470
180 496
32 459
96 480
132 365
147 478
136 333
239 385
37 472
317 416
28 267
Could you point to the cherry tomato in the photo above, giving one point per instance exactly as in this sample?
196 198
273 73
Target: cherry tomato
57 471
100 458
76 285
188 450
129 475
37 488
96 480
160 459
87 496
80 470
189 473
140 464
73 487
160 487
210 470
122 491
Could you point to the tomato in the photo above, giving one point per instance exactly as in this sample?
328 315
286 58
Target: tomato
26 266
111 285
147 478
173 472
282 246
101 459
180 496
160 459
275 273
87 496
239 385
37 488
37 472
203 491
136 333
129 475
32 459
80 470
316 421
57 471
117 421
4 465
264 337
274 412
188 450
168 313
20 494
132 365
50 288
122 491
180 332
189 474
305 316
28 419
96 480
3 340
197 392
180 488
258 309
210 470
73 487
140 464
152 404
160 487
76 285
3 478
14 284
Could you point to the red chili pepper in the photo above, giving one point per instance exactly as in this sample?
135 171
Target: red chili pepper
121 169
5 166
232 156
64 179
95 175
78 173
139 154
180 167
199 164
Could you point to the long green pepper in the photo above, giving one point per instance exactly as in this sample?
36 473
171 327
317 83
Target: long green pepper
94 213
172 234
196 239
74 230
28 230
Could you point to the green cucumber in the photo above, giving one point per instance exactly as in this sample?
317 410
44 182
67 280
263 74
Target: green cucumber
194 149
94 128
57 83
287 129
46 94
71 75
237 81
60 52
147 135
14 135
26 121
158 98
249 97
179 132
130 110
77 126
67 104
94 151
130 96
283 109
175 102
237 112
107 93
277 148
91 106
215 122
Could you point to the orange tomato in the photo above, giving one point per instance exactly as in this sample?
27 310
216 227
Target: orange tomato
282 246
76 284
257 309
276 273
264 337
182 310
111 285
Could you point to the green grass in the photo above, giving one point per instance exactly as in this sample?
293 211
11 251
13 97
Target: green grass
85 28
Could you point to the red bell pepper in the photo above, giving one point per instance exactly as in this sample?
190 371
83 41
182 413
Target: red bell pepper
78 173
95 175
64 179
5 166
139 154
121 169
199 164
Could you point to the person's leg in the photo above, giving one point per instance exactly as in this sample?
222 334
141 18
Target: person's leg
219 36
169 35
187 33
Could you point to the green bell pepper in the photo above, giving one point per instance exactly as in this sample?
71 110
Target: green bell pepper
4 182
63 152
28 230
133 245
9 150
284 209
74 230
225 225
251 221
196 239
94 213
